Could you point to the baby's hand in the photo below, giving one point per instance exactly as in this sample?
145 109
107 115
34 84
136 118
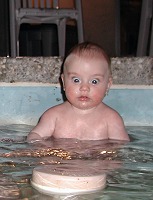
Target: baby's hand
33 138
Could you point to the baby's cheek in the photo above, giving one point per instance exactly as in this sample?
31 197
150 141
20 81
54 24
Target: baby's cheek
71 92
98 96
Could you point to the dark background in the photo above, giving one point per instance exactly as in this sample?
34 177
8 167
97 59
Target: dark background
34 39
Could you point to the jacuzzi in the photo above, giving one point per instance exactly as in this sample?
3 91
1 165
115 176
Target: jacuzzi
24 96
25 102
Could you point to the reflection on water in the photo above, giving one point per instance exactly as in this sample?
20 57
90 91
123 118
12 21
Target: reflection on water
128 166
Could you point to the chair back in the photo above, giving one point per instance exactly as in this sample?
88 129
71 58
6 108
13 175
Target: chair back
43 3
57 12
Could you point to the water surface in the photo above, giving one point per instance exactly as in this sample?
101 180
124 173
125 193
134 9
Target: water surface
129 167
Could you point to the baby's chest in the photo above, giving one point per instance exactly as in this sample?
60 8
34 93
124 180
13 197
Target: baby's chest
81 129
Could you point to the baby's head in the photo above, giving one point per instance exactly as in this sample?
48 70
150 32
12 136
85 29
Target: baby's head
86 76
87 51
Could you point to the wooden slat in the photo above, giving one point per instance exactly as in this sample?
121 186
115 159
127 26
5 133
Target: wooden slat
48 4
42 3
17 4
55 3
36 4
24 3
30 3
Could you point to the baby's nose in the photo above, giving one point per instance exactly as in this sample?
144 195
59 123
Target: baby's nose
84 87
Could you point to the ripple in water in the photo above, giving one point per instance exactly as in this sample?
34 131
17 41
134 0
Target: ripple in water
128 166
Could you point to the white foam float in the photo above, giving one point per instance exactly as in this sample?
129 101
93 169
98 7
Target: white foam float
66 179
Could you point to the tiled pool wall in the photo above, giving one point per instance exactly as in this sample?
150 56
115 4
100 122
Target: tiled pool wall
30 85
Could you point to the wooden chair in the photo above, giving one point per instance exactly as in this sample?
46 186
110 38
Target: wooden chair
46 12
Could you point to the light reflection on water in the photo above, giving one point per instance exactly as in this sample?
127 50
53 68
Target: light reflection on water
129 167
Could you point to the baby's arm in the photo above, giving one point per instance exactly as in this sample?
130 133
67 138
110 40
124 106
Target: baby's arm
116 128
44 129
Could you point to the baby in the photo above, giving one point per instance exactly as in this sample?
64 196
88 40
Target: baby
86 79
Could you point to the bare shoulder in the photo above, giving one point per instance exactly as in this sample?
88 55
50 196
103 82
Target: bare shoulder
47 122
107 113
111 113
115 123
54 111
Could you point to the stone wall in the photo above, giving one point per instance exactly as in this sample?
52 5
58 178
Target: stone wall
126 70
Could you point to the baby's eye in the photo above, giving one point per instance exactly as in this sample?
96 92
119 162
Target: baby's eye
95 81
76 80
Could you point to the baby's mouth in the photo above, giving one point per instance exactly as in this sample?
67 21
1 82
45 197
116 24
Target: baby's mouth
83 98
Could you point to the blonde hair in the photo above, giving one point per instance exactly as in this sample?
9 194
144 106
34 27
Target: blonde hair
88 50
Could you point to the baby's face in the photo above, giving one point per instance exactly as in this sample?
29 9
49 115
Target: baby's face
86 81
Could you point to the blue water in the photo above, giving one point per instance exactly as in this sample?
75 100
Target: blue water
129 167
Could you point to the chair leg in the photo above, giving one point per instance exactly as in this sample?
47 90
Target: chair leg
143 38
80 30
17 39
12 29
151 41
62 36
79 21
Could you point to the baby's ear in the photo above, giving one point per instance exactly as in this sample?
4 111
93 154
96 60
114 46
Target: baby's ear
62 78
110 82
